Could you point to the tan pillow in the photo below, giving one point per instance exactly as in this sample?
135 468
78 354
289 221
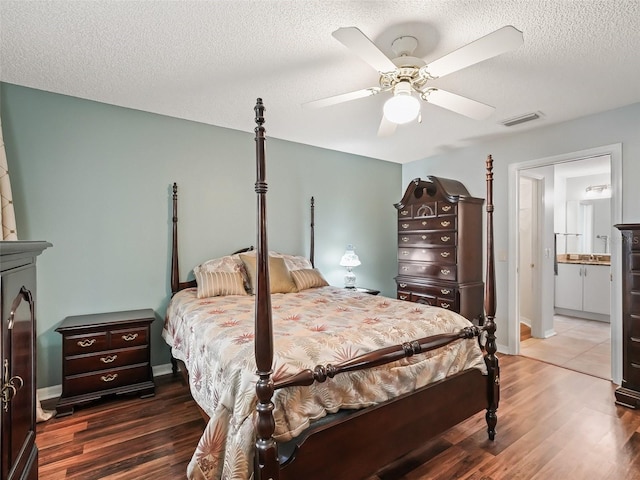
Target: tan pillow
308 278
214 284
279 277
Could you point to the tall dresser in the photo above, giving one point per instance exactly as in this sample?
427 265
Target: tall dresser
19 457
440 246
628 393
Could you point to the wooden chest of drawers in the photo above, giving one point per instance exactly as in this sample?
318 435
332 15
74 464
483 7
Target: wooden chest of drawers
628 393
104 354
440 246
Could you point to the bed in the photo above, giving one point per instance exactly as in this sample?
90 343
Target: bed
306 381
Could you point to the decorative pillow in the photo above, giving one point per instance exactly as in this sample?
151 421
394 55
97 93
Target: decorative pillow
308 278
294 262
214 284
222 264
279 278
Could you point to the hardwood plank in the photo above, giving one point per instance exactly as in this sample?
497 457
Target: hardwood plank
552 424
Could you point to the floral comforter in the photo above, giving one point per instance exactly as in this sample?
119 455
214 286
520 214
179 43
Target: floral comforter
214 337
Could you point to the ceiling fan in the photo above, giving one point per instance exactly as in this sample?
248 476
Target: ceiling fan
406 77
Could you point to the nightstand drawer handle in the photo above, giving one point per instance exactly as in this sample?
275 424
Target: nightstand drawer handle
405 225
403 285
109 378
86 342
445 271
445 254
405 239
446 208
129 337
445 291
445 223
445 305
109 359
403 297
445 238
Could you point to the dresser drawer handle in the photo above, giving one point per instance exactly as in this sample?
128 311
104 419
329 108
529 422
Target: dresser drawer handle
405 239
109 359
424 222
405 225
424 237
109 378
404 297
635 365
445 271
445 223
445 238
446 208
405 253
445 305
404 269
403 285
129 337
404 213
445 254
634 339
86 342
445 291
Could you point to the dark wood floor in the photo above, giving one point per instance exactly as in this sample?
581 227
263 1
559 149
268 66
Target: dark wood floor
553 424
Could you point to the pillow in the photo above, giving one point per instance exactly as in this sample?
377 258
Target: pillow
308 278
222 264
279 278
214 284
294 262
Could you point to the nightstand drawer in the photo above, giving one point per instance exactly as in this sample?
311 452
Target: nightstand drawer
129 337
105 360
105 380
85 343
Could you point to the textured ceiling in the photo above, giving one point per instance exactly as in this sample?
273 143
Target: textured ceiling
207 61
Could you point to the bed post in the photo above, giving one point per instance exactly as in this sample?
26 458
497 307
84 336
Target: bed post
312 248
493 390
175 276
266 461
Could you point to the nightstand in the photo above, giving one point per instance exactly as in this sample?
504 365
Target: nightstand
365 290
105 353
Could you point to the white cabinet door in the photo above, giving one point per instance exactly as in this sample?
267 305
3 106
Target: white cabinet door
569 286
597 289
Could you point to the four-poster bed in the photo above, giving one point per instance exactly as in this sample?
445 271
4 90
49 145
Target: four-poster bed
346 382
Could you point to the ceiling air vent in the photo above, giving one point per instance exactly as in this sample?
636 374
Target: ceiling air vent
521 119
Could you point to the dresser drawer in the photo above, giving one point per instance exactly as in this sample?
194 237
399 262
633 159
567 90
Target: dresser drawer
635 240
441 272
105 360
440 255
423 239
406 212
634 302
433 301
436 223
105 380
425 210
130 337
634 262
85 343
445 208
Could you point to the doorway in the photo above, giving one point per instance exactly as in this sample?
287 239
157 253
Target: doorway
542 290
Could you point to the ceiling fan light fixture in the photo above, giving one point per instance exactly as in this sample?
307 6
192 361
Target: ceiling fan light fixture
403 107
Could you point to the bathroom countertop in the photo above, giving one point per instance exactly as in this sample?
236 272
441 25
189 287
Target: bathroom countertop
585 258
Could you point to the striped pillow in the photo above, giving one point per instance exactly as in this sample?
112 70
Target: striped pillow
308 278
214 284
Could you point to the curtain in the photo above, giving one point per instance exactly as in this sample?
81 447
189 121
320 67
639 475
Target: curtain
7 215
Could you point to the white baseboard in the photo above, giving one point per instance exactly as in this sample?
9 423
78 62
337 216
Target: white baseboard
55 391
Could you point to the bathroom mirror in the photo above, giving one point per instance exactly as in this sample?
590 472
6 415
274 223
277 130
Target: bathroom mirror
590 220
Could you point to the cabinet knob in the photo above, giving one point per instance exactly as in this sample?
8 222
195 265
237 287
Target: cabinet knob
405 253
404 269
404 213
405 225
424 237
424 222
86 342
403 297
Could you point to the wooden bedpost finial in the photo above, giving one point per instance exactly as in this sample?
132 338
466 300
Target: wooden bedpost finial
259 109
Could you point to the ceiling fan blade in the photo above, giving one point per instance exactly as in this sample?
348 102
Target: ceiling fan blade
501 41
353 38
343 97
457 103
387 127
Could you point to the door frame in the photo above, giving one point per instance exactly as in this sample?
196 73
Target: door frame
615 153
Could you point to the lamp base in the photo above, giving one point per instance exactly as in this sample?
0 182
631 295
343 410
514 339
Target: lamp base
350 279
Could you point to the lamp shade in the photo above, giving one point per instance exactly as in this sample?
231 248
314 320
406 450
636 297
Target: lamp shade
403 107
349 259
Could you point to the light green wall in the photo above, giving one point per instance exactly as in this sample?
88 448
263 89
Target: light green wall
95 179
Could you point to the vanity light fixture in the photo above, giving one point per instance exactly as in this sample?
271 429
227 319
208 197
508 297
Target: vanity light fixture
603 190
